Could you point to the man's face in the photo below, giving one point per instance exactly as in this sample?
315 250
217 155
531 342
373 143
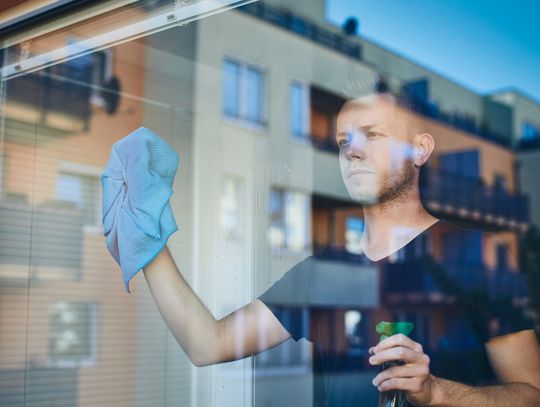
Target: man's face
375 153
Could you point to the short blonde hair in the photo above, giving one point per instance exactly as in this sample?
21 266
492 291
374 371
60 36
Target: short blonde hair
401 103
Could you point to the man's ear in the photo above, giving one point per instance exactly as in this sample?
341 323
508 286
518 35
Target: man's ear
423 147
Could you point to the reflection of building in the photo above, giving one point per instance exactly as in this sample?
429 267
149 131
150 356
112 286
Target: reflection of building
258 189
55 273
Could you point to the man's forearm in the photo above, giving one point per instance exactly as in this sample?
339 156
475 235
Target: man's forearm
193 326
452 394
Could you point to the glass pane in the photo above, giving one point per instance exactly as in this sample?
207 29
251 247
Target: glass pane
298 111
297 221
231 88
353 234
146 145
254 95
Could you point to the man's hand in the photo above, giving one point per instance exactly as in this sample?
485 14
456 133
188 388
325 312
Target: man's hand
413 377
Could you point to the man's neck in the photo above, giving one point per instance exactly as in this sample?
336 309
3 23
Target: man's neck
390 226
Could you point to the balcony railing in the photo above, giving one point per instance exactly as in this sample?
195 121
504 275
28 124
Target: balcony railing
63 88
297 25
413 277
458 120
468 195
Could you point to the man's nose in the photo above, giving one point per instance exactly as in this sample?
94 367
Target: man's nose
357 146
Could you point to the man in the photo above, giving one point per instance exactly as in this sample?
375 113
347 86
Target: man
382 149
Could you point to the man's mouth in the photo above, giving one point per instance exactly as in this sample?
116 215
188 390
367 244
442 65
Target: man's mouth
358 171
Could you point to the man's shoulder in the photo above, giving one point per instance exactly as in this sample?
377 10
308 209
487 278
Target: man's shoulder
291 286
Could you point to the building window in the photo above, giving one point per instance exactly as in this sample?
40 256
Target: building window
353 233
231 208
356 326
289 220
72 339
502 257
84 192
243 92
299 111
99 64
499 183
529 132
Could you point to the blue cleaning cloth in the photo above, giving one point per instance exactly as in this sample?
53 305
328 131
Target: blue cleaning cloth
137 186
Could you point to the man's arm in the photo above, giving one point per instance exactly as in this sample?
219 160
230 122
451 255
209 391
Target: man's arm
450 394
515 359
206 341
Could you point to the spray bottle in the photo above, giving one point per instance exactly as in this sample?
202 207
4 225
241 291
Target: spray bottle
393 398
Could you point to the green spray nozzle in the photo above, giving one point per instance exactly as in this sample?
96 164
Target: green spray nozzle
386 329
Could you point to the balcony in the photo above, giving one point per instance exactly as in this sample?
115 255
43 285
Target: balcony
324 110
417 94
467 198
287 20
412 281
57 97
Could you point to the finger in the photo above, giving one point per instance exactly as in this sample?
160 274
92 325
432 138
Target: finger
412 384
397 353
397 340
405 371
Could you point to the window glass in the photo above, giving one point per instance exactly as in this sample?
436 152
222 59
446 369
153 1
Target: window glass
73 337
243 89
232 208
353 234
289 220
186 150
299 110
297 215
231 88
83 192
254 95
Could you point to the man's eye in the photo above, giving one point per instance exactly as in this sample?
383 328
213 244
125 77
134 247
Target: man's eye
374 135
344 141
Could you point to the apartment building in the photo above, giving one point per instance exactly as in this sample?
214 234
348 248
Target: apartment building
249 98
